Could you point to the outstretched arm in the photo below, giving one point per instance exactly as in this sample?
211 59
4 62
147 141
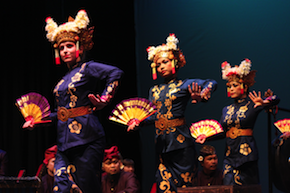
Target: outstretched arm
111 75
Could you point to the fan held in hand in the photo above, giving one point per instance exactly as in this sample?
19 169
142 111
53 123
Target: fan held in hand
208 127
33 105
132 110
283 125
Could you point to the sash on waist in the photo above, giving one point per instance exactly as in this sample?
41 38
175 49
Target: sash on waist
163 123
63 113
235 132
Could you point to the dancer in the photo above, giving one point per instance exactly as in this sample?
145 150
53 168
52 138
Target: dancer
80 136
238 119
174 145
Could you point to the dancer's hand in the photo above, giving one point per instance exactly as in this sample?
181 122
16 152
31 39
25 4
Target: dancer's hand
97 101
257 99
195 92
285 135
29 124
201 139
132 125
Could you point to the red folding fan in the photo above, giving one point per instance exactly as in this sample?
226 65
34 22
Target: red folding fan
132 109
208 127
33 105
283 125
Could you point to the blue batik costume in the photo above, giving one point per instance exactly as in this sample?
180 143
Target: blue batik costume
241 156
174 144
80 135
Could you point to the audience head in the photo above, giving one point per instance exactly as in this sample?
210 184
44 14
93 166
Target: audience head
112 161
208 158
49 158
129 165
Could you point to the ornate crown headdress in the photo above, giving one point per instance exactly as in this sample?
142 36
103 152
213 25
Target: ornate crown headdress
166 51
241 73
74 30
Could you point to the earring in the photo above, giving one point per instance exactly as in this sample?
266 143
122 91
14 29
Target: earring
173 63
154 74
242 88
228 91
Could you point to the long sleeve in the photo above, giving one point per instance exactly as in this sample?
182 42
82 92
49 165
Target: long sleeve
110 74
123 182
131 185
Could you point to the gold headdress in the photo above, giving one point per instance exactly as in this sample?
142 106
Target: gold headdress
74 30
241 73
168 50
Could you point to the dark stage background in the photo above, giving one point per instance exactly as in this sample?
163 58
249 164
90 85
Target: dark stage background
28 65
209 31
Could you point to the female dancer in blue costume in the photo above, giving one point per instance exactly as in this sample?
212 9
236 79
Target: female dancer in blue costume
174 144
238 120
80 136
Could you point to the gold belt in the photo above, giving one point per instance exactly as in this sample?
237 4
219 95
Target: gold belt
63 113
235 132
163 123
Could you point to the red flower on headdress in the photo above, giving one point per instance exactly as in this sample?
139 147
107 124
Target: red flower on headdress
231 73
172 34
247 60
148 49
224 64
47 19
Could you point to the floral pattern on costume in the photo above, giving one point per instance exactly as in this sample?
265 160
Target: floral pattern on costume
165 184
226 170
170 97
238 120
180 138
235 115
71 86
173 136
75 127
237 177
187 177
245 149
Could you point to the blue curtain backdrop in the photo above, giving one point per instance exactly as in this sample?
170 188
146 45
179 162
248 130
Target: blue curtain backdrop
211 32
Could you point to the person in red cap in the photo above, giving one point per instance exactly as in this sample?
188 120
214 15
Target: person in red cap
48 179
116 180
